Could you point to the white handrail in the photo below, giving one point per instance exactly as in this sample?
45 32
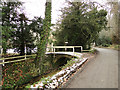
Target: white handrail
73 47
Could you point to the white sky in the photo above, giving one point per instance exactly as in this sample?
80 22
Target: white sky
37 8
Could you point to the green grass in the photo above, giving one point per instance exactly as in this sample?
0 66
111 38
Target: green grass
116 47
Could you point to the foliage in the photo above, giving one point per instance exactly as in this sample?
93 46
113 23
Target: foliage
23 36
114 21
17 29
37 27
16 74
116 39
104 41
6 35
117 47
80 24
20 73
93 51
69 63
9 10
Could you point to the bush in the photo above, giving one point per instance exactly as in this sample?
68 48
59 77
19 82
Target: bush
16 74
104 41
19 73
69 63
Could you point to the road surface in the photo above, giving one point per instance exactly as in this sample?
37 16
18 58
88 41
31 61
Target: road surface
101 72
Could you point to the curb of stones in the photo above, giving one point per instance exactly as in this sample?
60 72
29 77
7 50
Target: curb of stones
63 79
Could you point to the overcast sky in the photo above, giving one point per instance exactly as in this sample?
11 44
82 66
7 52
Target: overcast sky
37 8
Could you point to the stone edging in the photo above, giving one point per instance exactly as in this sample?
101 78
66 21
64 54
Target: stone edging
61 77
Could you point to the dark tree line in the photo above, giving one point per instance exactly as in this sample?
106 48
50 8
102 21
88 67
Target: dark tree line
20 32
80 25
17 29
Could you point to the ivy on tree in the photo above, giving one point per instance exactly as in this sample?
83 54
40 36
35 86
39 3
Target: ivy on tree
44 38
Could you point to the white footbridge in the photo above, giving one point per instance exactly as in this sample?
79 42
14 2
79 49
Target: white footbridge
52 50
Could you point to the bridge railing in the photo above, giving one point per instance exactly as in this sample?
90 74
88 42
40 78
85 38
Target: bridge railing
26 57
53 49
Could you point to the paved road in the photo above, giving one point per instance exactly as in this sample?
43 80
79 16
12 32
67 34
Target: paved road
101 72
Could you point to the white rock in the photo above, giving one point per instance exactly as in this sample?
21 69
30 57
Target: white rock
54 80
53 77
37 85
76 67
72 70
47 86
48 81
57 84
73 65
40 84
76 59
79 64
40 87
68 72
62 72
53 85
64 76
60 79
68 68
50 85
67 77
33 88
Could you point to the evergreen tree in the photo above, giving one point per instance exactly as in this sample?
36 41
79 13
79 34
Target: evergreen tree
17 30
23 37
9 14
80 24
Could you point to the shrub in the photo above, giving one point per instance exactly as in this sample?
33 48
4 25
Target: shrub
104 41
69 63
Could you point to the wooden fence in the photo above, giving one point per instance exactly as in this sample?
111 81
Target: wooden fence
24 57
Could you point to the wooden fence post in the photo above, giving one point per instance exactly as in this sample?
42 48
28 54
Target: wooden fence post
3 62
3 57
25 51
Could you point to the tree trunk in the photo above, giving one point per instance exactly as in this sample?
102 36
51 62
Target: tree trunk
39 61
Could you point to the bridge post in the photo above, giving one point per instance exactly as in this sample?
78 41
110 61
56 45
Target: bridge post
65 49
73 49
81 48
53 49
